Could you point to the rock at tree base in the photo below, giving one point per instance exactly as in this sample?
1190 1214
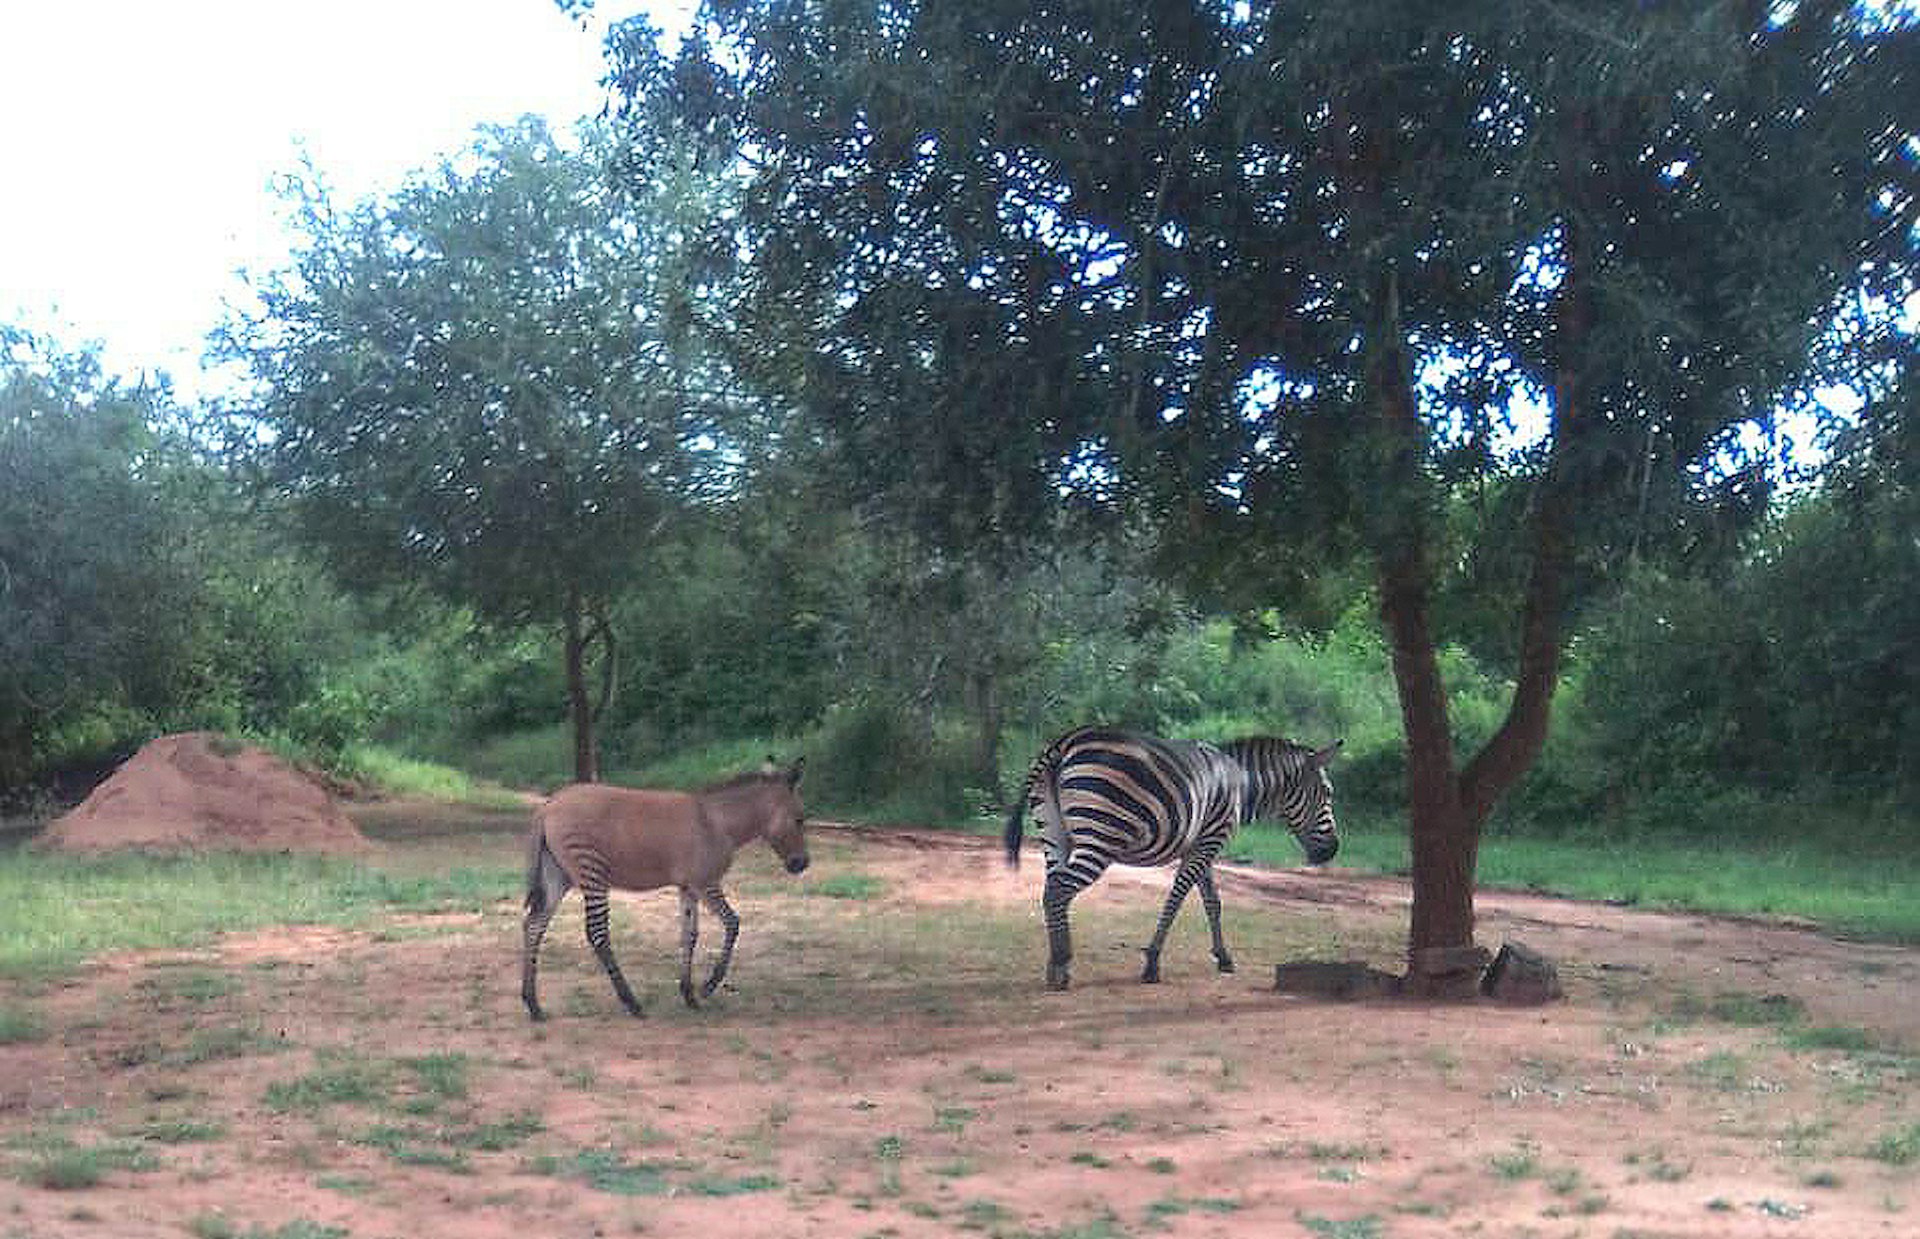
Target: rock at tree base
1334 980
203 792
1521 976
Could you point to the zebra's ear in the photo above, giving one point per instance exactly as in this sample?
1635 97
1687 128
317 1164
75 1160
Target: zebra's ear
793 774
1323 757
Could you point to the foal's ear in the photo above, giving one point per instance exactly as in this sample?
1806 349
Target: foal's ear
793 775
1322 757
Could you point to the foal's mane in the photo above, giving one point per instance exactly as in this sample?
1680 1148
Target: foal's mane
736 782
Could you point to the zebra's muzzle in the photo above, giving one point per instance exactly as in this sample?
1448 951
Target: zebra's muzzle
797 864
1319 853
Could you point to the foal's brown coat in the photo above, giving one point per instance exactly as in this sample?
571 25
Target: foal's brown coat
596 837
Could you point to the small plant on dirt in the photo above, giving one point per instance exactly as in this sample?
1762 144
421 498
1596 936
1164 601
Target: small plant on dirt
1900 1147
1090 1159
1522 1163
1161 1165
888 1151
981 1214
191 985
953 1118
228 1041
990 1075
412 1146
1821 1178
217 1226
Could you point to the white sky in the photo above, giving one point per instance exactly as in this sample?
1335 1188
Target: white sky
141 137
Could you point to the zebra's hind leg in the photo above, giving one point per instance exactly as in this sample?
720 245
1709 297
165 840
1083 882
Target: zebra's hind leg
1210 899
718 905
1191 870
603 948
1063 883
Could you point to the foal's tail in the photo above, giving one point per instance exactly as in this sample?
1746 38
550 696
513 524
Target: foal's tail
544 874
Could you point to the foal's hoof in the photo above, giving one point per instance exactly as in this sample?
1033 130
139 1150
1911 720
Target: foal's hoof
690 995
1225 962
1150 974
1056 976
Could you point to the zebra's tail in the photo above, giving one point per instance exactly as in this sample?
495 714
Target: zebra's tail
1016 829
1040 777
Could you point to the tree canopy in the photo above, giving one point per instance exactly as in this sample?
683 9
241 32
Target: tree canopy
1275 276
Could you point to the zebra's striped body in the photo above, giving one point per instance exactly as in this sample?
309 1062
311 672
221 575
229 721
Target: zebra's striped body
1103 796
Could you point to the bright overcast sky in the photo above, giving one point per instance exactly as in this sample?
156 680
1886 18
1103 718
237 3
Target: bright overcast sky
142 136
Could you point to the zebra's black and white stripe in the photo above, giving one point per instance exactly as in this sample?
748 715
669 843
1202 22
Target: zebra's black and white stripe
1102 796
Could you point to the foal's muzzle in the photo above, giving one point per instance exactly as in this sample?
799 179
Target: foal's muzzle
797 864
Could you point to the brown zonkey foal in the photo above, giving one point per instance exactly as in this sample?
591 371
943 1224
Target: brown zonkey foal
596 837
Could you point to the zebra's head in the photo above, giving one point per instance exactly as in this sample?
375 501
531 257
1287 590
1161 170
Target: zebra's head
1313 822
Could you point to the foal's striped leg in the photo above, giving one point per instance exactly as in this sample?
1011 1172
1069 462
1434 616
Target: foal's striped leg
718 905
532 930
1211 899
596 899
1192 869
689 938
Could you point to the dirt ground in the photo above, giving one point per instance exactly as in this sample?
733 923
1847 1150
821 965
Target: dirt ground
884 1061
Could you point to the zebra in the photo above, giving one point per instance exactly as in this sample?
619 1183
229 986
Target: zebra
1102 795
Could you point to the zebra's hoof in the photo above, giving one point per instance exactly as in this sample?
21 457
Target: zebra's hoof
689 995
1056 977
713 983
1225 962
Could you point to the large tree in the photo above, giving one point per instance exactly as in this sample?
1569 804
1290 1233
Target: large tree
1203 260
478 384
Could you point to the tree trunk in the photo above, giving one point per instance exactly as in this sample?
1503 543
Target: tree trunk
989 722
586 755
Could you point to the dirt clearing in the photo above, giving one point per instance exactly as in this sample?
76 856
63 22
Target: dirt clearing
884 1061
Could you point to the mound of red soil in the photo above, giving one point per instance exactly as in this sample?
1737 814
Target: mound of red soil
202 792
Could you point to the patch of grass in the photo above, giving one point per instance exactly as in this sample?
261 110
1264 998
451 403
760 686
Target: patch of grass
846 886
990 1075
492 1137
606 1171
1833 1037
218 1226
413 1146
1723 1070
1090 1159
1839 888
1367 1227
19 1024
442 1076
1900 1147
227 1041
356 1083
57 911
194 985
181 1131
1175 1206
1161 1165
705 1186
61 1165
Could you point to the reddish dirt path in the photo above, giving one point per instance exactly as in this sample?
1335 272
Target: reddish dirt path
886 1063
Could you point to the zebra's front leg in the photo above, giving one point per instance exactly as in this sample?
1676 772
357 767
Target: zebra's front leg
1210 898
718 905
603 948
1191 870
689 938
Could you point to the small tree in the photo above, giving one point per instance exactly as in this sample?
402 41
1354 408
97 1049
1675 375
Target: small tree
474 385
